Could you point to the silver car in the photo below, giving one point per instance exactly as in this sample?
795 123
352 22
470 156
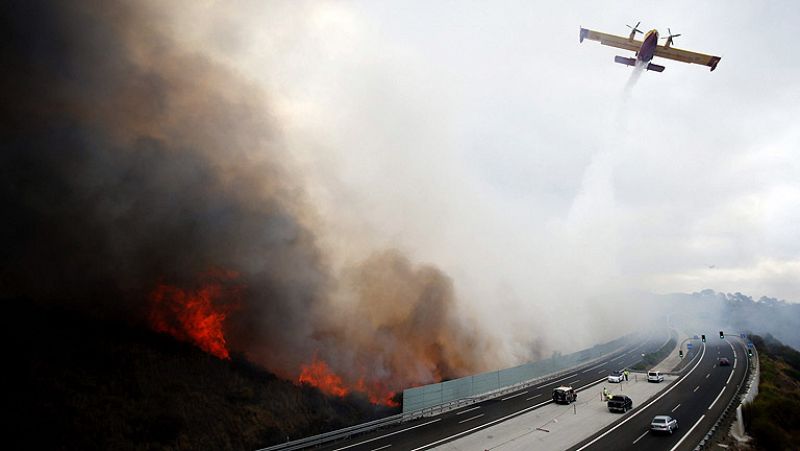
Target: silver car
663 423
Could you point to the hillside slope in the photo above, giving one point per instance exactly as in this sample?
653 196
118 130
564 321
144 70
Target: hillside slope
82 384
773 419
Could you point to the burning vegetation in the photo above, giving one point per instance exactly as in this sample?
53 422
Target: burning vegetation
197 315
130 166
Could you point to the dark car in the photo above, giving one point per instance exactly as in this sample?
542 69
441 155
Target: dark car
564 395
723 361
620 403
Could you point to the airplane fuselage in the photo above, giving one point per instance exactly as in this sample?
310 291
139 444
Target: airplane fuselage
648 48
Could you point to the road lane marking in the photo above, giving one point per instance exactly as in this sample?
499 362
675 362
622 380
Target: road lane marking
468 410
641 436
554 382
485 425
676 407
534 396
601 371
708 375
470 419
382 447
695 389
514 396
618 358
734 364
729 378
573 382
643 408
595 367
388 435
715 399
687 434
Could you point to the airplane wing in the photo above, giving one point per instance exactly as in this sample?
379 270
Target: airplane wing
687 56
611 40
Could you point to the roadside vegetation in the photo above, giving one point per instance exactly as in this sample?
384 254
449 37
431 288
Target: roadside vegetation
773 419
79 383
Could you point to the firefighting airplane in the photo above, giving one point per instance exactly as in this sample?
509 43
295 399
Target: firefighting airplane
646 49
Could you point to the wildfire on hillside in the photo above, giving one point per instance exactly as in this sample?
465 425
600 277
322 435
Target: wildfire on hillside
196 315
318 374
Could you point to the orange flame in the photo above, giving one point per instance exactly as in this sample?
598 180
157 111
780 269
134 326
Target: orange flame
197 316
319 374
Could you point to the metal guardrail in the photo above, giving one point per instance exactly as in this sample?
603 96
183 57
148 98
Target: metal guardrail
726 413
400 418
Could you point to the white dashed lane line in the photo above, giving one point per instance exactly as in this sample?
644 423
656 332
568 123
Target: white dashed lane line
641 436
676 407
470 419
468 410
514 396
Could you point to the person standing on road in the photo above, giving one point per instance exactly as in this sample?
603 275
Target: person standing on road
605 394
626 374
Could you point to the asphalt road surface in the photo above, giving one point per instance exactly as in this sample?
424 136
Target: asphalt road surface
428 432
696 401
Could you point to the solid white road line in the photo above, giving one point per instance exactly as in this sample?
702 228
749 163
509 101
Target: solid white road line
641 436
676 407
382 447
514 396
468 410
534 396
643 408
734 364
468 431
388 435
729 378
555 382
687 434
471 418
695 389
715 399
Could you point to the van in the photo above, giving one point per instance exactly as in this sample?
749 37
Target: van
564 395
654 376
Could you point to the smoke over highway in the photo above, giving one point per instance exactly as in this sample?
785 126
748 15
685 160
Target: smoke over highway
142 180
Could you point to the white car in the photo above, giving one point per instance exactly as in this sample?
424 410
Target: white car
655 376
616 377
663 423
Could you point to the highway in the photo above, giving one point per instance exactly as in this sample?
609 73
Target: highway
428 432
696 401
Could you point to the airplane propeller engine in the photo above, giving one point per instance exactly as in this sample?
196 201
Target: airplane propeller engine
669 38
634 29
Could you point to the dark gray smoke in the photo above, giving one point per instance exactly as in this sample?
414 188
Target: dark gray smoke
127 162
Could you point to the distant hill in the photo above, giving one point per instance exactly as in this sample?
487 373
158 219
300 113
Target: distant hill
743 313
78 383
773 419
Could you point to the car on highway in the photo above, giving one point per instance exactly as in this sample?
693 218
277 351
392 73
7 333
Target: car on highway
655 376
564 395
616 376
663 423
620 403
723 361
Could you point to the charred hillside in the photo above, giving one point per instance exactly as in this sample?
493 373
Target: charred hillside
82 383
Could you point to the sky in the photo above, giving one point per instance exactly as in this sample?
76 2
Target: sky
483 138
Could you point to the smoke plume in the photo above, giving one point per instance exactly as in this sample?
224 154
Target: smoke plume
142 180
